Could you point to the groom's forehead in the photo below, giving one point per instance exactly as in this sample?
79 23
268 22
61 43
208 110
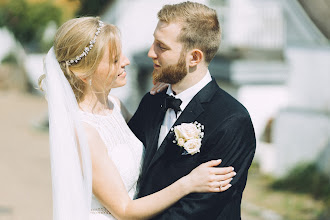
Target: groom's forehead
176 25
167 31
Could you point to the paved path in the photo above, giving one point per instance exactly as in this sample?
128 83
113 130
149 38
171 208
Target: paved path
25 186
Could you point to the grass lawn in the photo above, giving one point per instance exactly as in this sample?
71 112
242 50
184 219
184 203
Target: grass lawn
288 205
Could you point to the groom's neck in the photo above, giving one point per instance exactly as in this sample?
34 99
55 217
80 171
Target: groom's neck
191 79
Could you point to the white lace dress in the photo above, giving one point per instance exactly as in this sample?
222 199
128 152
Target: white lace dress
124 149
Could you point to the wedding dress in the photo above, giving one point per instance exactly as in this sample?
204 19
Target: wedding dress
71 164
124 149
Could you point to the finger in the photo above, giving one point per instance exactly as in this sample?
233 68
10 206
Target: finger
162 87
224 188
155 85
219 178
158 84
219 187
218 183
159 88
222 170
212 163
155 88
222 177
225 182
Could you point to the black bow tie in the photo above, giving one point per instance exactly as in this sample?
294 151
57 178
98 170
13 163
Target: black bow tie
173 103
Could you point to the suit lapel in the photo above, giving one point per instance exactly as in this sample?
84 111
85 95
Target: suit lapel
190 114
155 129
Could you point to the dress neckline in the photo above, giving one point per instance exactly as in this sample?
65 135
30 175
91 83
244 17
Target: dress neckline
110 100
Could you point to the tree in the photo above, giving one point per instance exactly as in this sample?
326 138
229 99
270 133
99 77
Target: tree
92 8
27 21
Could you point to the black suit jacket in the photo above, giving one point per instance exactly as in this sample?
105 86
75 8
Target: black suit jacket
228 135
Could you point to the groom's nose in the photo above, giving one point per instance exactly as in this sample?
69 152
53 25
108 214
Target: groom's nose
151 52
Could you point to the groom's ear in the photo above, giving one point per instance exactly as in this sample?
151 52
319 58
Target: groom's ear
195 57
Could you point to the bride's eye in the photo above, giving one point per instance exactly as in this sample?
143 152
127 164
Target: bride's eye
116 59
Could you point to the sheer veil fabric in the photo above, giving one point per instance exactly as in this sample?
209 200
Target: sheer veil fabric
70 157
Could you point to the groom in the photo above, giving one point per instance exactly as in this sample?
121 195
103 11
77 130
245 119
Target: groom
186 39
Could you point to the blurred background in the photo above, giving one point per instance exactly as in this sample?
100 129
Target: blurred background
274 58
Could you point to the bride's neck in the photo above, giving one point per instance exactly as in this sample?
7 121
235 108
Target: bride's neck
95 102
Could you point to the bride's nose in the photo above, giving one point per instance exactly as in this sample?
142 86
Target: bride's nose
125 61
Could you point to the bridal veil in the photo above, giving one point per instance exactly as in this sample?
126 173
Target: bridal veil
70 157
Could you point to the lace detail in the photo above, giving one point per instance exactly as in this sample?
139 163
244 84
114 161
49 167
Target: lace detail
123 147
100 211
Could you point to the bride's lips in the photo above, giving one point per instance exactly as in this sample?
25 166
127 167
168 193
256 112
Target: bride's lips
123 74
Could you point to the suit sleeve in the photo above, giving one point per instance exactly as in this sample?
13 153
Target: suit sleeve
137 122
234 143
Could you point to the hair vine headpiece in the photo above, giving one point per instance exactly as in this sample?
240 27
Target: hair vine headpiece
88 48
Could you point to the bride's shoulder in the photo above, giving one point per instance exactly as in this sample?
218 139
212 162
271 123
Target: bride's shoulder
126 114
90 131
115 99
94 139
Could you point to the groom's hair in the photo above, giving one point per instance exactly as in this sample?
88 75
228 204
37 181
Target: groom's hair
200 26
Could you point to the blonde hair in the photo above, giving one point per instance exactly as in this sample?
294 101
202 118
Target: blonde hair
70 41
200 26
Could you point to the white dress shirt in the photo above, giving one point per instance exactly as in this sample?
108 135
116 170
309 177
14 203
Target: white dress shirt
186 96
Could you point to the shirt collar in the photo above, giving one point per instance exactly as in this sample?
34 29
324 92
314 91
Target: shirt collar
187 95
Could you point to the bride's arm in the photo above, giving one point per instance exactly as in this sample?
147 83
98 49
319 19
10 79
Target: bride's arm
110 190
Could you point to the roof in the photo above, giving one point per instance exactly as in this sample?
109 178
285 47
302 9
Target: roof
319 13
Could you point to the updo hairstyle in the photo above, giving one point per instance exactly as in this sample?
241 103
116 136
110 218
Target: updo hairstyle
70 41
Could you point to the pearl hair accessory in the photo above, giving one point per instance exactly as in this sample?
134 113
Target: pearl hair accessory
88 48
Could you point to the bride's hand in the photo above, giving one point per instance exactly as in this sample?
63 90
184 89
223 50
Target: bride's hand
158 87
208 178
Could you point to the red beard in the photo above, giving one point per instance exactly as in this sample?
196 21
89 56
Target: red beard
171 74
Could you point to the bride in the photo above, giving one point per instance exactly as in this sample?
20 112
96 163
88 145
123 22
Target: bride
89 134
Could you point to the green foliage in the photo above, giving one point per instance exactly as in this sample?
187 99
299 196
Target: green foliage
92 8
44 46
306 178
27 20
10 59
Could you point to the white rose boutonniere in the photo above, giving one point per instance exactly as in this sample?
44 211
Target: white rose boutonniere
189 136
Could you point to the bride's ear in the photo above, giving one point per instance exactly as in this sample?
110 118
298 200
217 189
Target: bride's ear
85 80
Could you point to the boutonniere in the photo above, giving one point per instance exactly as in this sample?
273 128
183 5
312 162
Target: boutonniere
189 136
